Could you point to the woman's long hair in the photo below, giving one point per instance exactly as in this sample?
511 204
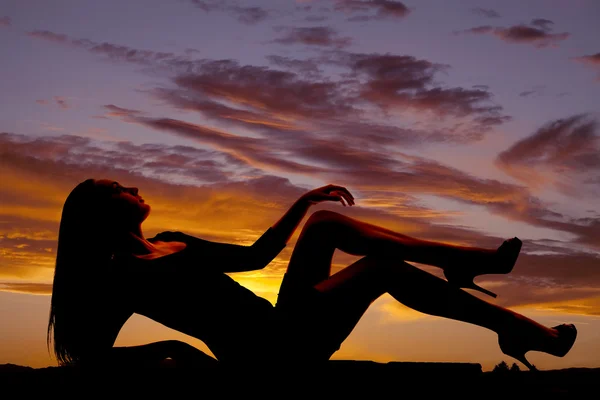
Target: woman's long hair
83 255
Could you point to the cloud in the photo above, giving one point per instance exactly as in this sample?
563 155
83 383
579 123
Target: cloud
535 91
26 287
539 34
247 15
400 82
486 12
592 60
312 36
307 67
373 9
114 111
61 102
50 36
526 34
370 169
562 151
117 52
5 21
52 165
278 92
544 24
301 94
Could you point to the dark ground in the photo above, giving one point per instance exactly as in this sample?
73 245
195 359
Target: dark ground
336 378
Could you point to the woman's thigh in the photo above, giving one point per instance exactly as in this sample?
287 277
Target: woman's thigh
310 262
318 320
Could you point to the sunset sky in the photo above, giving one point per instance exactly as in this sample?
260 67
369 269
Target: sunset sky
467 122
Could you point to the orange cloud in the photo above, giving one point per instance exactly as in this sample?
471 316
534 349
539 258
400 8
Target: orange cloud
40 172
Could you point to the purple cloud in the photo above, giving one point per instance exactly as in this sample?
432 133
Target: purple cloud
539 34
486 12
312 36
247 15
382 9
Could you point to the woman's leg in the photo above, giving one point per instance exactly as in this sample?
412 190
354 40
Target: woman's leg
349 293
327 230
361 238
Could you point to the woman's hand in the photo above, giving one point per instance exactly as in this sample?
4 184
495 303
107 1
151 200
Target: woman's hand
329 193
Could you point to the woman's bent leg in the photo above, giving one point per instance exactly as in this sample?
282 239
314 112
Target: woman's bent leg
349 293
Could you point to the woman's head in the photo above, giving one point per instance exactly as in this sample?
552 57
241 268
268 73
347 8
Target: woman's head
104 205
96 215
125 207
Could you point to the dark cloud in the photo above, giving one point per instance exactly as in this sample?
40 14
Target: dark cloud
476 30
373 9
114 111
5 21
539 34
316 18
535 91
368 170
194 165
527 34
61 102
486 12
392 81
250 15
259 151
247 15
120 53
309 67
389 82
544 24
51 36
570 143
565 148
312 36
279 92
592 60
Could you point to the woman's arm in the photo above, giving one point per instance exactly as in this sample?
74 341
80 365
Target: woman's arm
229 257
285 227
270 244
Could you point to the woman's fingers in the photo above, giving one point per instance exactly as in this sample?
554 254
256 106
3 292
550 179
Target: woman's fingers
341 196
346 191
347 196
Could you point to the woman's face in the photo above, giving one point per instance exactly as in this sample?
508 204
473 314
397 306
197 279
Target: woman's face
128 205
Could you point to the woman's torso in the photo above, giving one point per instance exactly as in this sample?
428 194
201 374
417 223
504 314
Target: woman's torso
187 291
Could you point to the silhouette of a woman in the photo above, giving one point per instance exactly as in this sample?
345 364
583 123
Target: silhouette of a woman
106 270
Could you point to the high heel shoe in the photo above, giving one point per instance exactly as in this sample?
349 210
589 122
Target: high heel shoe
506 257
567 333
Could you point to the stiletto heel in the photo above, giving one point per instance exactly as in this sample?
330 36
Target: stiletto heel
562 344
526 363
463 277
520 356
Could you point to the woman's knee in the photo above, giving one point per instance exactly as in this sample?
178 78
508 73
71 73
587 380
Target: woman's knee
324 217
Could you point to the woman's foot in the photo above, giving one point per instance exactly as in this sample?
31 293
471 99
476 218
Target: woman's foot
500 261
523 335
